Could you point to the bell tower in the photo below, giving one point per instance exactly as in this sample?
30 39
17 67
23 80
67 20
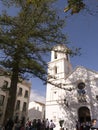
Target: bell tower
58 69
59 66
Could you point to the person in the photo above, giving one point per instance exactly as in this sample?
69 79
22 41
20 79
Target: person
38 124
9 125
94 125
43 125
47 124
27 124
77 125
22 125
17 125
87 125
51 125
34 124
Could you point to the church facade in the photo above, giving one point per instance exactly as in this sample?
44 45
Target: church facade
73 93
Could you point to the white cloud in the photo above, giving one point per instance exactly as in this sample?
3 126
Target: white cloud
36 97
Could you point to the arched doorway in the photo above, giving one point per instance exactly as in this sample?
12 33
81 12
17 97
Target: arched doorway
84 115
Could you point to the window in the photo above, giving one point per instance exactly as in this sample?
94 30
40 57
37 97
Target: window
24 106
1 99
66 102
81 85
67 57
55 55
81 92
54 95
26 94
20 92
18 105
55 70
55 92
38 108
5 85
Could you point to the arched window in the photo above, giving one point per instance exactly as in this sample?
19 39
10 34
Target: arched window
20 92
18 105
5 85
24 106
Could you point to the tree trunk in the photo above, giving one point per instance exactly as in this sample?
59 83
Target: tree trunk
12 96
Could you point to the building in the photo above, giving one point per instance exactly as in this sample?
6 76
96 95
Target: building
36 110
22 98
73 93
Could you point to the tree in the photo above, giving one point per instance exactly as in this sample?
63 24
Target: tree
24 40
75 6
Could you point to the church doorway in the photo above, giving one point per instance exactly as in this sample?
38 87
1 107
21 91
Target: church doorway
84 115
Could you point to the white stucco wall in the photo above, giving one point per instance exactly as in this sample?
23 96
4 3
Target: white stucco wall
55 106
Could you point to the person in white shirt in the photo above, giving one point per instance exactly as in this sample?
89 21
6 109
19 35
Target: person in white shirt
51 125
47 124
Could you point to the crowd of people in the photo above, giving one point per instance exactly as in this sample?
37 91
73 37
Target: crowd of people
36 124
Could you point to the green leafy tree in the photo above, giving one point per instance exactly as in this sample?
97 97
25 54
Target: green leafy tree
25 39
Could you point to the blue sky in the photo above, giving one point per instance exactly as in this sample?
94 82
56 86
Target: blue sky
82 31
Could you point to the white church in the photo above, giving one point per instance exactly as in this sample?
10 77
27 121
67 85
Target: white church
73 93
